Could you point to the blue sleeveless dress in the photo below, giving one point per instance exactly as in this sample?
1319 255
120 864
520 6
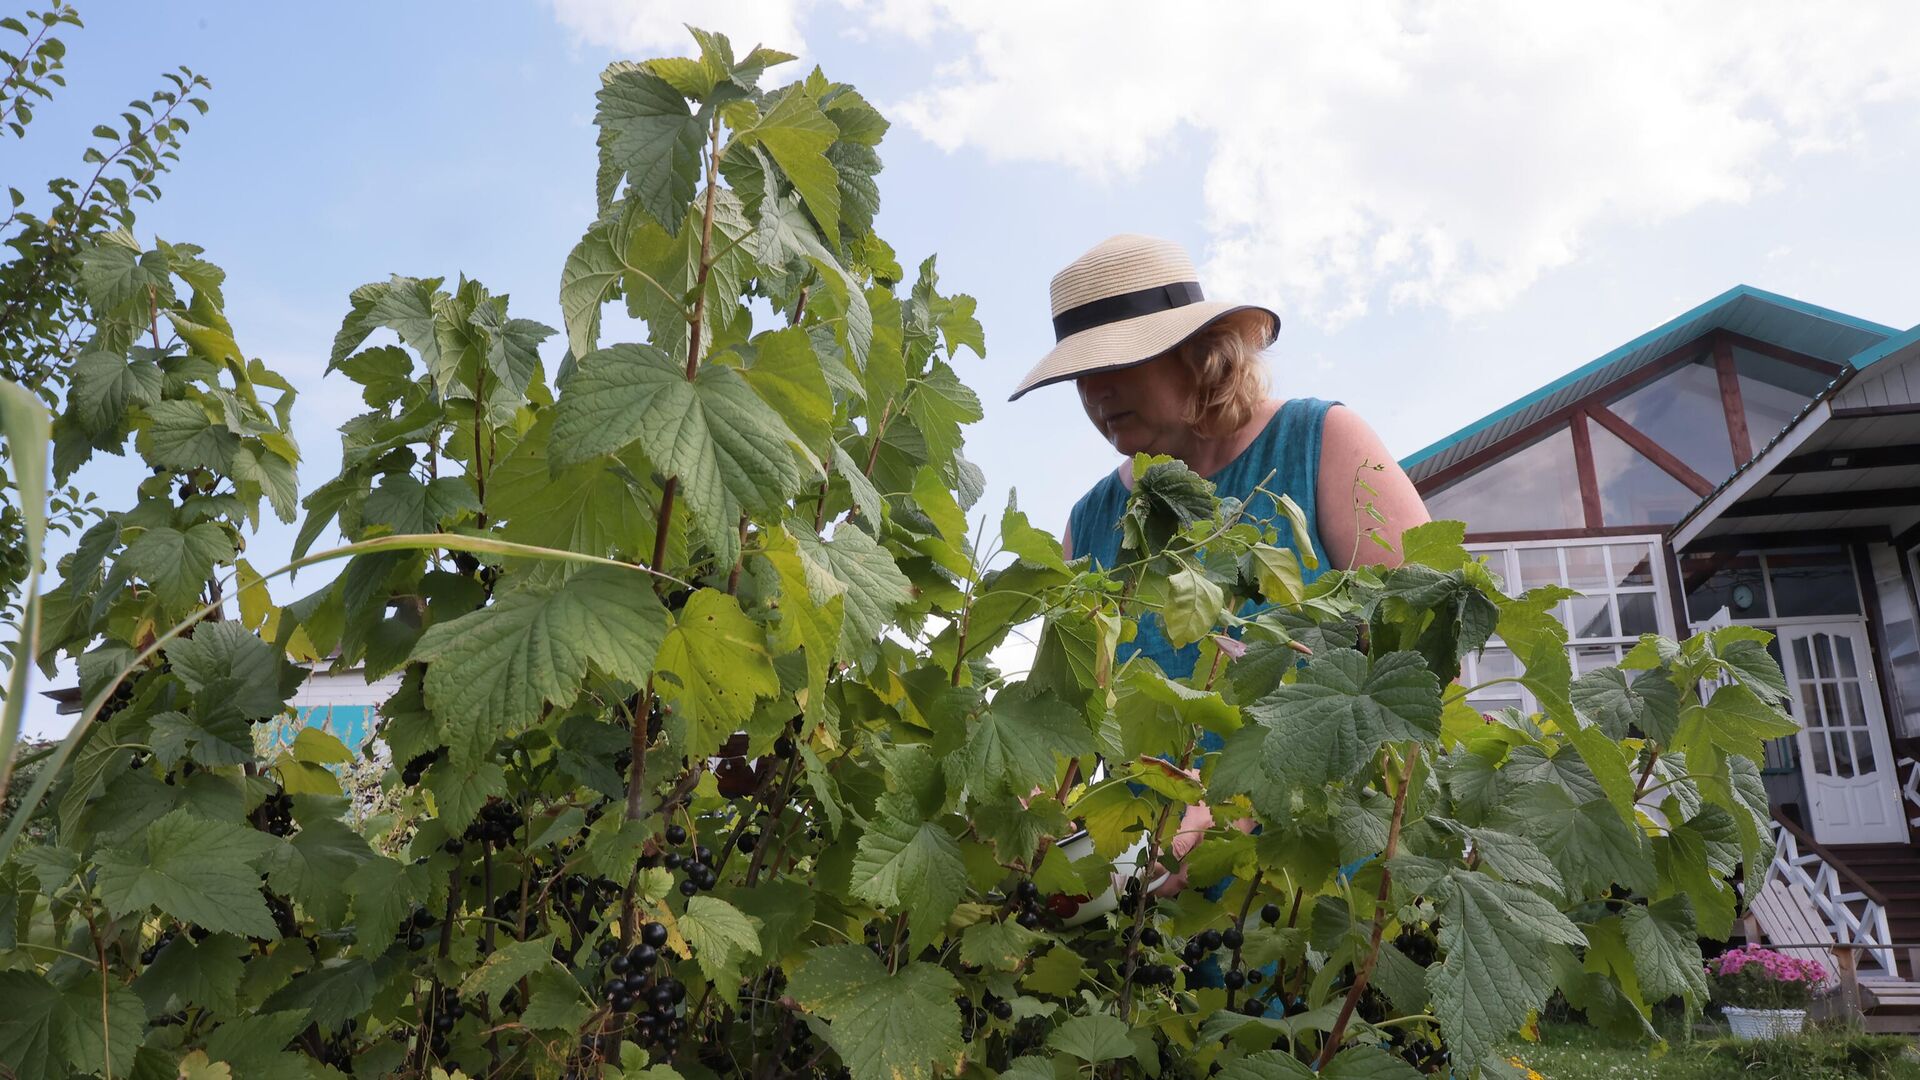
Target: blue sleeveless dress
1288 448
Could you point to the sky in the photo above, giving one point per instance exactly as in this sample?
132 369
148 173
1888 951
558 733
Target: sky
1449 205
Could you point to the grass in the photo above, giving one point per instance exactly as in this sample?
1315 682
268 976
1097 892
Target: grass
1573 1051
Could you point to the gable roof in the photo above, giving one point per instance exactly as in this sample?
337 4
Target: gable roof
1779 320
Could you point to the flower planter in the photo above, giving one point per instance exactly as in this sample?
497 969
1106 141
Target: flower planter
1764 1023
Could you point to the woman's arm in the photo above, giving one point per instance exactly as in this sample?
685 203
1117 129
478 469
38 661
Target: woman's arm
1349 450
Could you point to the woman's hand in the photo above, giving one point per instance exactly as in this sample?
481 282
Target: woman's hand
1193 828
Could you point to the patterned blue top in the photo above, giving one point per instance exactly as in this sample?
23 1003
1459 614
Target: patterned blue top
1288 447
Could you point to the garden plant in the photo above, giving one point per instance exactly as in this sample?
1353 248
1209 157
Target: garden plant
700 766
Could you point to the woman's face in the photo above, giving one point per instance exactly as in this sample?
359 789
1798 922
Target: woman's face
1140 409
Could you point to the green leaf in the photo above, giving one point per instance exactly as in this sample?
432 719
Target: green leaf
1000 944
1735 720
1014 746
716 665
314 866
1588 841
1665 942
875 587
1192 607
177 564
587 280
35 1027
1333 720
914 867
331 993
1743 649
407 506
787 375
219 737
105 384
1058 973
1092 1039
227 653
885 1027
383 892
722 938
555 1004
491 670
649 136
194 869
120 279
180 435
205 973
1649 703
730 451
273 475
1495 971
602 507
508 964
797 134
1267 1065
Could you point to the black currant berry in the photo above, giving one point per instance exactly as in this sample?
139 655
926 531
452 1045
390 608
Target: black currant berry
1150 938
1210 940
654 934
1270 914
455 845
1231 938
676 834
1234 980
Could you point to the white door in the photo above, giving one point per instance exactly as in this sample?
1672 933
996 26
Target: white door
1845 757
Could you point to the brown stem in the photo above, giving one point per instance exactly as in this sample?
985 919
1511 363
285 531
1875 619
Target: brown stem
479 461
1365 973
733 576
779 805
1646 771
1132 960
1241 922
879 432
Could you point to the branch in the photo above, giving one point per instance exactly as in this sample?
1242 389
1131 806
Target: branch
1365 973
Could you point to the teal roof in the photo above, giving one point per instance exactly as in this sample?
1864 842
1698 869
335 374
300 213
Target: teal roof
1778 320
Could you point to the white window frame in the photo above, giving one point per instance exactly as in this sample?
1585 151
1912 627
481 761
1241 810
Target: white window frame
1507 569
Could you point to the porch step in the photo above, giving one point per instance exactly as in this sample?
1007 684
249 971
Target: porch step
1892 870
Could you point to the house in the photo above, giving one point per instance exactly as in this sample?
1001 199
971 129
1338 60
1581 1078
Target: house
1756 460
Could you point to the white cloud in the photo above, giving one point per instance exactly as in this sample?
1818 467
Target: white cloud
649 26
1417 153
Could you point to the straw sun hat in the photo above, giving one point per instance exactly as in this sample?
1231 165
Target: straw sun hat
1127 301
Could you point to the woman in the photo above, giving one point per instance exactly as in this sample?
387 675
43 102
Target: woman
1162 370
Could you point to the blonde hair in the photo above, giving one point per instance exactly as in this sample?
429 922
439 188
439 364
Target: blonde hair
1229 379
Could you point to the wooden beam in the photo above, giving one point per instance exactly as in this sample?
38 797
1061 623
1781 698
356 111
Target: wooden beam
1561 534
1869 534
1869 412
1825 502
1904 543
1583 467
1685 354
1876 647
1651 450
1768 348
1861 457
1731 403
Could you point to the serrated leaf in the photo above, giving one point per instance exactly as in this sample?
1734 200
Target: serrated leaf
490 671
227 653
913 867
1332 721
601 508
314 865
1092 1039
407 506
649 136
729 450
105 384
716 663
1665 941
1588 841
1000 944
875 587
786 373
180 435
195 869
885 1027
797 134
721 935
508 964
177 563
1649 704
1495 971
204 973
1014 745
1192 607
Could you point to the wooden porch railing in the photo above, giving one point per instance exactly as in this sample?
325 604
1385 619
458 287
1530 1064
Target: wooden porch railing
1854 910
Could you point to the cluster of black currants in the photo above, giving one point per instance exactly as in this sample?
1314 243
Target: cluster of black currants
800 1051
1026 896
151 952
697 865
973 1018
276 813
499 820
416 926
447 1011
638 980
417 765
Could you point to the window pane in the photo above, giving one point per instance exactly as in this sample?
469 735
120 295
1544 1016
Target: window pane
1587 568
1534 488
1716 581
1633 490
1538 566
1593 657
1592 617
1773 392
1637 614
1632 564
1681 411
1813 583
